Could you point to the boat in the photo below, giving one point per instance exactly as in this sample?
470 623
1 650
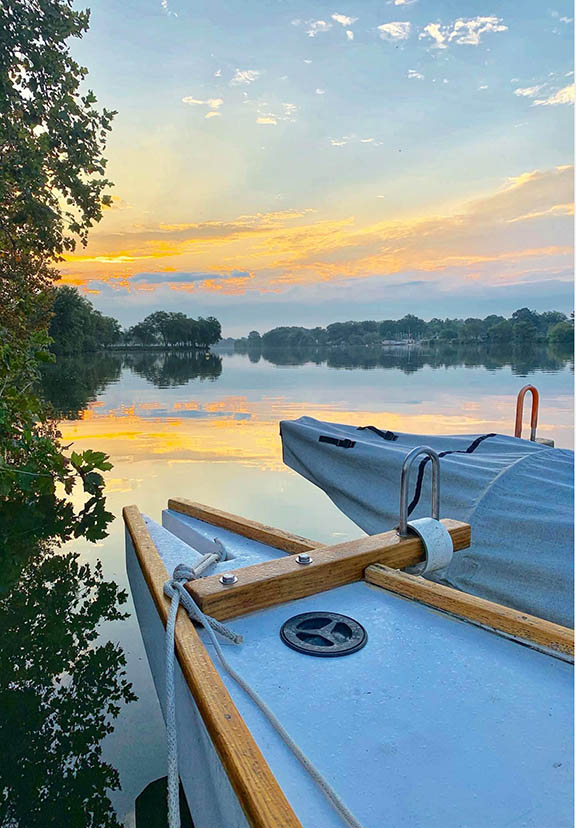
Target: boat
517 495
328 686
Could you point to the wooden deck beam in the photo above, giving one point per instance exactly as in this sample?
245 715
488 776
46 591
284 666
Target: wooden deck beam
510 621
277 581
269 535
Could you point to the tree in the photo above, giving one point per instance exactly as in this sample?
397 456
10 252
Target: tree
75 325
144 333
51 142
562 335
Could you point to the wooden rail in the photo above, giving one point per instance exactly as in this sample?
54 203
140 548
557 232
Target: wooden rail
501 618
242 526
277 581
259 794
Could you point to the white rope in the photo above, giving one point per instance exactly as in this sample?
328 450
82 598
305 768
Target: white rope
176 591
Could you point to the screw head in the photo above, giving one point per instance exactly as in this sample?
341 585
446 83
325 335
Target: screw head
228 578
304 559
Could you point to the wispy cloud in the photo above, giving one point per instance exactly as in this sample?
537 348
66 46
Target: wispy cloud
315 27
183 276
244 77
412 73
399 30
528 91
400 2
522 227
271 114
562 96
166 9
213 105
349 34
354 139
462 31
344 20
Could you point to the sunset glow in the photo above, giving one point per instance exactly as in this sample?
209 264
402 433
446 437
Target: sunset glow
301 165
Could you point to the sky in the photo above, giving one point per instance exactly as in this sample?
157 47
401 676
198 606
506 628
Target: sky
301 163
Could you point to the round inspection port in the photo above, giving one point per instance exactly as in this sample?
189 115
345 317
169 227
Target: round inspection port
326 634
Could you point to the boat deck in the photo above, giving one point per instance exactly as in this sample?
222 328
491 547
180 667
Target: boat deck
435 722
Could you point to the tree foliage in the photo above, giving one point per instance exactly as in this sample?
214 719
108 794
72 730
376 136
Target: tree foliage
525 326
175 330
76 326
51 192
59 689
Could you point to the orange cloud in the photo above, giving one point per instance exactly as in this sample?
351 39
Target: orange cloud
285 247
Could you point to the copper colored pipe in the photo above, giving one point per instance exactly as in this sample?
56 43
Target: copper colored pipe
520 411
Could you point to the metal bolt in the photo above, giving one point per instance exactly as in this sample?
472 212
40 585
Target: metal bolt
303 558
228 578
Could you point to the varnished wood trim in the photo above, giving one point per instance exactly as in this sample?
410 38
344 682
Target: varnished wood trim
277 581
256 787
242 526
511 621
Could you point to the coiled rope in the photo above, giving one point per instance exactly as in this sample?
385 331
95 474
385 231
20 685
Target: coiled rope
175 590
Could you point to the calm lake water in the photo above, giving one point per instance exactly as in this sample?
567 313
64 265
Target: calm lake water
206 427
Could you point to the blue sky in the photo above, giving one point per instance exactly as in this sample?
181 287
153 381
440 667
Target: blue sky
316 162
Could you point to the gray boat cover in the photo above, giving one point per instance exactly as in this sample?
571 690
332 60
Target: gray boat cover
517 495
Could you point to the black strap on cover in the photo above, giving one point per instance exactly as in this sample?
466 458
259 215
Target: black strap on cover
471 448
386 435
335 441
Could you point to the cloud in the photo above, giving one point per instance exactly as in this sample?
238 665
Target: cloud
562 96
521 226
320 91
211 103
349 34
354 139
213 114
462 31
344 20
395 31
186 277
166 9
244 77
400 2
272 113
412 73
315 26
528 91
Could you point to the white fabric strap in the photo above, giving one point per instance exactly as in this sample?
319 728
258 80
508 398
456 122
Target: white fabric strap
437 544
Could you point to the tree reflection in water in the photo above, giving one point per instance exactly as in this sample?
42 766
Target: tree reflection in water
522 360
169 369
60 689
71 383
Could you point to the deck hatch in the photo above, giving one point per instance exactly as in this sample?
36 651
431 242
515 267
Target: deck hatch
326 634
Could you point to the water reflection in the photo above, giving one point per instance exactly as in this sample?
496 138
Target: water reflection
169 369
522 360
60 690
71 383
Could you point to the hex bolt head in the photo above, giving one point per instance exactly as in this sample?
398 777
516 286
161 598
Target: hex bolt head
303 558
228 578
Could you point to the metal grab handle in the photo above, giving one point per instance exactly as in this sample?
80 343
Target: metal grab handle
520 411
404 479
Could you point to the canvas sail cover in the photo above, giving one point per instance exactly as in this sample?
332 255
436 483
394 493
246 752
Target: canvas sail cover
517 495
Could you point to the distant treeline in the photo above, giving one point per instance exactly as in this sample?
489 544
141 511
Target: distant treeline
76 326
524 326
